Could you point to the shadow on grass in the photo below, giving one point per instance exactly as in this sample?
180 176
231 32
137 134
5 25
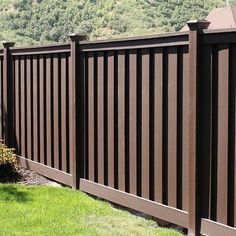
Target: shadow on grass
13 194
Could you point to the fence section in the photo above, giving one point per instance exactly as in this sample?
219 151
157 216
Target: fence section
137 118
148 123
41 85
217 126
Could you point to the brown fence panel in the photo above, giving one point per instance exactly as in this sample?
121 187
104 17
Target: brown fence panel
217 127
136 116
41 87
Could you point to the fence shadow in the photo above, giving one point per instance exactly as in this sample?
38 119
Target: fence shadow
9 193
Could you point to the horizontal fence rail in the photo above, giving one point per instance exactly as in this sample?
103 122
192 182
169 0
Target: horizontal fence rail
147 122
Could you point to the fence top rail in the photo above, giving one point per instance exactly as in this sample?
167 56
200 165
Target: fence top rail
41 49
219 36
161 40
219 31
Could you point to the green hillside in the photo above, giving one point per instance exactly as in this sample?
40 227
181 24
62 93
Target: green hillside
41 21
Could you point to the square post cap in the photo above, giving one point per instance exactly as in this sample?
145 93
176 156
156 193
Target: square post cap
78 37
8 44
198 25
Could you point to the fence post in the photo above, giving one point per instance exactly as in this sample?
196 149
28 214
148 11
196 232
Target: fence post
7 94
195 27
75 78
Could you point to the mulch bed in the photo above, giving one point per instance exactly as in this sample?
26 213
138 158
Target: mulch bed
27 177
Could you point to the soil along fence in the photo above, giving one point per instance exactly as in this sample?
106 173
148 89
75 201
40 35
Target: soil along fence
148 123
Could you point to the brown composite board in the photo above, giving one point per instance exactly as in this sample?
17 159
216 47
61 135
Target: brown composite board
1 106
222 145
56 110
172 127
145 123
46 171
157 210
185 128
29 111
213 228
231 135
35 108
90 130
205 98
100 116
158 125
17 105
49 152
233 180
133 121
121 120
71 85
63 103
110 119
41 109
22 106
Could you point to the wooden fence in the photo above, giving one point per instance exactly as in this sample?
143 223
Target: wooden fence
148 123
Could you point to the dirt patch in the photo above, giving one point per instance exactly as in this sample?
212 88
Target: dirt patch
28 177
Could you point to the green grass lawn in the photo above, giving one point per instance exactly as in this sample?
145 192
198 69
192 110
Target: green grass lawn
62 211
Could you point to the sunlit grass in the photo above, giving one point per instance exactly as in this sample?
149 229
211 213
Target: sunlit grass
48 211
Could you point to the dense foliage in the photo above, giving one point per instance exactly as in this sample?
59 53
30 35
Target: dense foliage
7 160
40 21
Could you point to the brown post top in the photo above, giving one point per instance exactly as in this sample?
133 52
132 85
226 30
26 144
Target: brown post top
198 25
8 44
78 37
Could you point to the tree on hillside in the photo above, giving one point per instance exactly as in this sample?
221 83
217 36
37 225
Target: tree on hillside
42 21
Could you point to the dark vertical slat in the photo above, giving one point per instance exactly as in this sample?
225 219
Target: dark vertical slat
71 119
100 114
222 147
185 141
1 98
2 118
145 123
29 112
1 105
205 127
35 107
179 127
17 103
90 131
231 135
49 110
67 113
41 109
234 173
214 131
158 102
133 121
63 112
22 107
110 120
121 120
234 193
56 109
172 127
